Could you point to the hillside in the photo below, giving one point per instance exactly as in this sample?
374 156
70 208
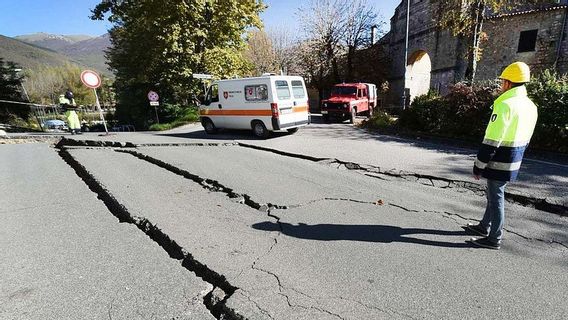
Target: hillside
52 41
29 56
90 52
48 49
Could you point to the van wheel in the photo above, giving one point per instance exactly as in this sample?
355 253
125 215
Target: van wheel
259 129
293 130
325 118
209 126
353 116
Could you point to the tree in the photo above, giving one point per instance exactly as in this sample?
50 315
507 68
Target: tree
45 84
323 22
158 45
260 52
464 18
337 29
11 90
283 46
360 18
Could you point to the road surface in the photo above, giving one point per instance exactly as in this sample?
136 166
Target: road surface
329 223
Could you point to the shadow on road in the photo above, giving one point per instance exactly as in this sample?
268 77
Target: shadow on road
223 135
365 233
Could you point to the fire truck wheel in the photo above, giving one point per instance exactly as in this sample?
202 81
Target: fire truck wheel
208 126
259 129
353 116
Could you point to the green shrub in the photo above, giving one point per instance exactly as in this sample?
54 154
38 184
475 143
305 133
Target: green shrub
465 110
468 109
549 91
380 120
425 113
461 113
176 116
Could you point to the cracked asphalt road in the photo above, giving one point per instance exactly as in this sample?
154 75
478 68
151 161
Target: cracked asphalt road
63 256
278 236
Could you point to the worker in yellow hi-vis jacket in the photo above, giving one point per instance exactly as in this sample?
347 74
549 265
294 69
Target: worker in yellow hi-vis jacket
499 159
67 101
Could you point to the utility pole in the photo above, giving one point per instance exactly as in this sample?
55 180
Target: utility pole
404 95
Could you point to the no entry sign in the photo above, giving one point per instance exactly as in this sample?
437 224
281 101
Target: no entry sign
153 96
90 79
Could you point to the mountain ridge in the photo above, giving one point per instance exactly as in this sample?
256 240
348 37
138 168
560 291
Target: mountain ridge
87 51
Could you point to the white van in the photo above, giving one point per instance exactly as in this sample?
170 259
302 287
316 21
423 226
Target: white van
263 104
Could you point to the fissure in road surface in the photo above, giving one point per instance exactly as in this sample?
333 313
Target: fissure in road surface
541 204
215 186
222 289
428 180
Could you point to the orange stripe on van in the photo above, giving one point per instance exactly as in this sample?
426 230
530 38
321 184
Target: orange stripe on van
260 113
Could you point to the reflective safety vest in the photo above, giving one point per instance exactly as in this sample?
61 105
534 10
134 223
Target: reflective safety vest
66 102
507 136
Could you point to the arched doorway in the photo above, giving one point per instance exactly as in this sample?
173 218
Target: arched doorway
418 72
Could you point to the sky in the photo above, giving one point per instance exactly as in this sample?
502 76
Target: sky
66 17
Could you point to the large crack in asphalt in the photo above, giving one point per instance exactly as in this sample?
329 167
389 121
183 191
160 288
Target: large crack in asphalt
541 204
269 208
215 299
216 186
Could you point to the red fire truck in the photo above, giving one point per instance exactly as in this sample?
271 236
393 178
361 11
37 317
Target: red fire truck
347 100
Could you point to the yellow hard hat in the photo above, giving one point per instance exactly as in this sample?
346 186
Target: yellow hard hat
518 72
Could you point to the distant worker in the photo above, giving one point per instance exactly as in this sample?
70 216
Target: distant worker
67 101
499 159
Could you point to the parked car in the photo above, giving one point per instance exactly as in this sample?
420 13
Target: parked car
347 100
261 104
57 125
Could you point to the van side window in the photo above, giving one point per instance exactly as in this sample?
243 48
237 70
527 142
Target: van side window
256 92
214 93
298 89
282 90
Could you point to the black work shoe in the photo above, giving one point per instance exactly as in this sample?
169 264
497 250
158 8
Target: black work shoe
485 243
476 229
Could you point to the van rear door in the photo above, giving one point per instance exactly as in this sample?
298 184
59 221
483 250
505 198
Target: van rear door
284 101
297 113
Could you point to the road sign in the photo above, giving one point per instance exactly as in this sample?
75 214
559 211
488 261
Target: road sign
202 76
90 79
153 96
154 103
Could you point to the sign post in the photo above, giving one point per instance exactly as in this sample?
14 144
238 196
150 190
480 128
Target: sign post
154 102
92 80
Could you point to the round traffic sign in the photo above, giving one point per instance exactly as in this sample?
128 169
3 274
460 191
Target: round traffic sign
153 96
90 79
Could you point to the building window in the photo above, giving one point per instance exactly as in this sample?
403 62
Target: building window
527 41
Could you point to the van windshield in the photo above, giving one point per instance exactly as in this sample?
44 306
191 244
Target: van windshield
343 91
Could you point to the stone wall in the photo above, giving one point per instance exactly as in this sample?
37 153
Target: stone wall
502 44
448 53
441 47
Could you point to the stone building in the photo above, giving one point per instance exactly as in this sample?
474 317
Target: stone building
436 59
